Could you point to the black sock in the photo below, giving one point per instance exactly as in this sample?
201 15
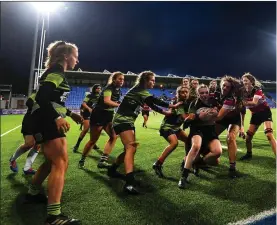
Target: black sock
185 173
232 165
79 142
249 153
83 158
130 178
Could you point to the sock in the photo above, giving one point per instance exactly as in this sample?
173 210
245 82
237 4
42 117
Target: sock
30 159
249 153
19 151
232 165
79 142
185 173
33 189
83 158
114 166
159 161
130 178
104 157
54 209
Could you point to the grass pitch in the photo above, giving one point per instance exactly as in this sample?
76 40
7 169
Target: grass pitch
94 198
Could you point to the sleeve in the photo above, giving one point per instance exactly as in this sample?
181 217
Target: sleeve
86 99
43 98
229 103
54 78
107 92
258 94
151 102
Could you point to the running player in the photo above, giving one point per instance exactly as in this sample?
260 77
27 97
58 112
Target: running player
50 127
124 124
170 128
229 117
254 99
29 144
86 109
101 118
145 113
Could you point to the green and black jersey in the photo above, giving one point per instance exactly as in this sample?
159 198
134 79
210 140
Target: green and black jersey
109 90
30 102
129 108
90 100
53 92
174 121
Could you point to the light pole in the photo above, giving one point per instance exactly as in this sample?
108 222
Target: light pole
42 9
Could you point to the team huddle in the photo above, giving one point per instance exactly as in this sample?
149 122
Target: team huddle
206 110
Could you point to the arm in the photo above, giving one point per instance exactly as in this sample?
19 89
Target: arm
257 96
241 131
84 104
222 112
107 99
253 102
150 101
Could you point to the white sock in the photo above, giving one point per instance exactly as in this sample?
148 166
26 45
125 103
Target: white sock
30 159
19 151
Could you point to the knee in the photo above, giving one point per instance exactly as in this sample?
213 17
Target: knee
218 152
174 144
195 148
269 134
249 136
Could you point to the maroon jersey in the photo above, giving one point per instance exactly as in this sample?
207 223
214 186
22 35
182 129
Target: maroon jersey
256 93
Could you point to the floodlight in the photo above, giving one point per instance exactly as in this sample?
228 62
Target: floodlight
47 6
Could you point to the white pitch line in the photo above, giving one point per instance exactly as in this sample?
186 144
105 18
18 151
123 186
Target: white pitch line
255 218
10 130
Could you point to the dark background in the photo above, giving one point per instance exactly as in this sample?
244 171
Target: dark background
195 38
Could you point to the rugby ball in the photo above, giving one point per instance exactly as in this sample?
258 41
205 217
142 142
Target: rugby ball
206 114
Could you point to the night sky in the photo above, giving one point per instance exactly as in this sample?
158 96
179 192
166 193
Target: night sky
195 38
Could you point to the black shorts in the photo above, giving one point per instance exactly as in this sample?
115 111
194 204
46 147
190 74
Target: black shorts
44 129
207 133
143 112
166 133
100 117
226 121
27 124
259 117
85 114
123 127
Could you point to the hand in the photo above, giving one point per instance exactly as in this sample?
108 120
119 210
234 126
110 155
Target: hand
167 113
245 103
176 105
90 110
241 133
77 118
62 125
191 116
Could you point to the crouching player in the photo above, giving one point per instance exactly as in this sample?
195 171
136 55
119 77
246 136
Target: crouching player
202 132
